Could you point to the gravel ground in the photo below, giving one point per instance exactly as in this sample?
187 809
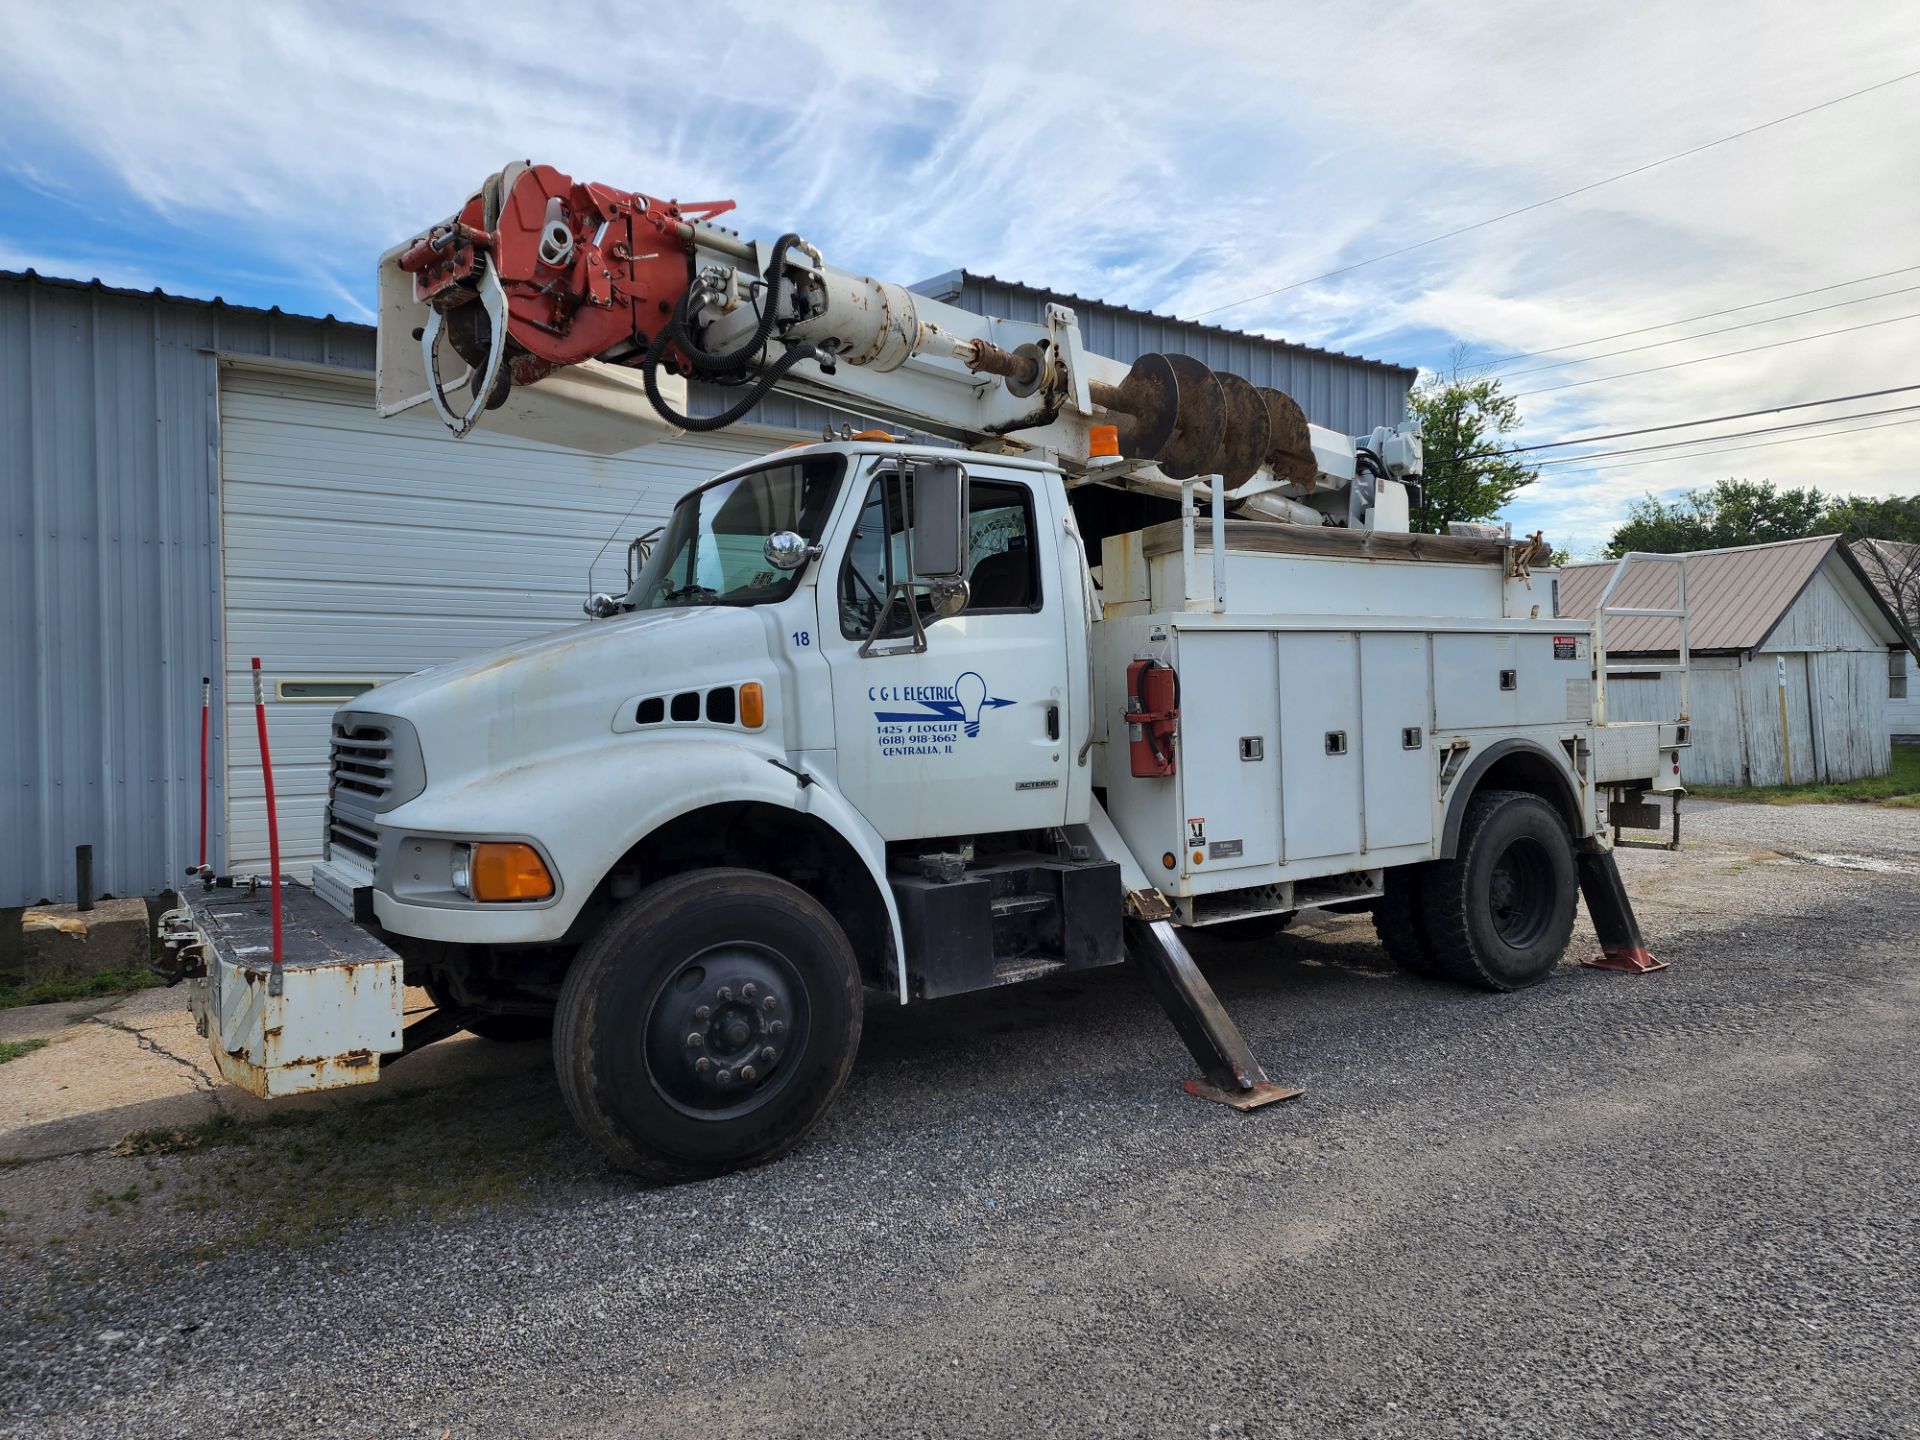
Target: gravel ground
1680 1204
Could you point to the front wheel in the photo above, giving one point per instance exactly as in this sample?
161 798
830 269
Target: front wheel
708 1025
1499 914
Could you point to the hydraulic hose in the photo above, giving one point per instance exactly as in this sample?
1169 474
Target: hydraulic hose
710 361
650 374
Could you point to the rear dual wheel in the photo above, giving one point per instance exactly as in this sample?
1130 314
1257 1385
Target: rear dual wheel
1499 914
708 1025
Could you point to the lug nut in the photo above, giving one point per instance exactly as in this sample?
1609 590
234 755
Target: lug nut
770 1003
749 1074
766 1055
749 990
696 1041
702 1065
725 1077
705 1012
777 1029
724 995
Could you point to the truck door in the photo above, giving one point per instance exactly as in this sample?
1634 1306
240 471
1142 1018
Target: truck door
968 734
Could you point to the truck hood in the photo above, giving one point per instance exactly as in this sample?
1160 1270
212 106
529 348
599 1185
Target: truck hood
556 693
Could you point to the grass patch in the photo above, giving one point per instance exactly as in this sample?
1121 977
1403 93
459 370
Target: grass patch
299 1177
216 1130
52 992
1899 788
14 1049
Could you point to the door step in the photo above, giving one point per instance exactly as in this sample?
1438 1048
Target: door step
1020 904
1035 967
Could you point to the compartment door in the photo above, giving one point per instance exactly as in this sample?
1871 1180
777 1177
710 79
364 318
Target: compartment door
1320 788
1229 763
1398 777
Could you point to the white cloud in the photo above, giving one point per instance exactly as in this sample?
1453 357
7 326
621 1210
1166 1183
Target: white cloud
1171 157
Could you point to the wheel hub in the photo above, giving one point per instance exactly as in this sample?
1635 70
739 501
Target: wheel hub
1519 892
721 1027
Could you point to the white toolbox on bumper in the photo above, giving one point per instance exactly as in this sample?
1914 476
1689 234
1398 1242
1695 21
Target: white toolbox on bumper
323 1021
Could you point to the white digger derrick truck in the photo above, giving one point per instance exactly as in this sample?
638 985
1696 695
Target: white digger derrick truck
875 720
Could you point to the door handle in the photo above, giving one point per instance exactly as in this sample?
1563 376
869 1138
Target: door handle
1053 722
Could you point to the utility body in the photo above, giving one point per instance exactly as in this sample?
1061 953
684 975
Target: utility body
885 721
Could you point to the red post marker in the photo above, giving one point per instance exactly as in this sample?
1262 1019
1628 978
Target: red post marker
206 714
273 823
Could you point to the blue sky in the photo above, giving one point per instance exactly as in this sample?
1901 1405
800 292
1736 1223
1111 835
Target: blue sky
1168 157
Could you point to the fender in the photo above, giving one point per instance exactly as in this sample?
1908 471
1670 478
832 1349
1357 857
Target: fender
588 808
1565 797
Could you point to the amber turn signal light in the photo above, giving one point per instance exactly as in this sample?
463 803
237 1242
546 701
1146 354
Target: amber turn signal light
509 870
753 705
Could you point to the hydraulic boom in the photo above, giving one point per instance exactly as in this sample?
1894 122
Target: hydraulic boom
537 273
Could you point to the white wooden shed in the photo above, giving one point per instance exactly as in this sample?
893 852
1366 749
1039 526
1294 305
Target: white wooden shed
1800 616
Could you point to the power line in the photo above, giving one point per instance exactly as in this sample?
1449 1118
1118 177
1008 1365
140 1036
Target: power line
1735 449
1690 319
1563 195
1689 424
1730 435
1723 355
1704 334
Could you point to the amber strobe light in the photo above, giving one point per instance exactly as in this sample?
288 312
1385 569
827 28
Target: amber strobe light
1102 440
509 870
753 705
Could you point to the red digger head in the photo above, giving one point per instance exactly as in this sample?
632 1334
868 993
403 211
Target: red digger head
588 272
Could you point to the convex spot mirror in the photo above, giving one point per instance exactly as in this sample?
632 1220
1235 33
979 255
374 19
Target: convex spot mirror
940 532
948 598
786 550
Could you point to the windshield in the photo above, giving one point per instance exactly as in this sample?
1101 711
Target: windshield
712 552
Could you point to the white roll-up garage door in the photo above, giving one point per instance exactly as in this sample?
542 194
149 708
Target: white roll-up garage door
358 550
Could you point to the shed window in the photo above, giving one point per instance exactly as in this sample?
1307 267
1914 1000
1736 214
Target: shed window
1896 674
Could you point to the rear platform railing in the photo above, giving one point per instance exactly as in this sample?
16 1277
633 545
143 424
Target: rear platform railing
1605 610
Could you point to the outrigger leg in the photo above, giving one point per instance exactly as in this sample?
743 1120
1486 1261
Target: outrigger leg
1229 1073
1621 947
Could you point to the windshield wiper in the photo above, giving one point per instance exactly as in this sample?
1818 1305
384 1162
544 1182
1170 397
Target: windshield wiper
689 592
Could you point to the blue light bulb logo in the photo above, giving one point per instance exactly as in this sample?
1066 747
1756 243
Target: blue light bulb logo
970 690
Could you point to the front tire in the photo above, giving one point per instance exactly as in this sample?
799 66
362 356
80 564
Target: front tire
708 1025
1499 914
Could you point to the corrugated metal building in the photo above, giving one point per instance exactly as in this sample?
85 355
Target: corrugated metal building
190 483
1800 615
1342 392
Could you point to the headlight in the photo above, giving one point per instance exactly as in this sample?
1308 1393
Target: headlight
463 870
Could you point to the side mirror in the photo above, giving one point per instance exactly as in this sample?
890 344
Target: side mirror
940 533
786 550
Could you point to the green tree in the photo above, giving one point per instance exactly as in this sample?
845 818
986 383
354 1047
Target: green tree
1471 471
1859 518
1732 512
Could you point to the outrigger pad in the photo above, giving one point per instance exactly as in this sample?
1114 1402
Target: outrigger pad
1630 962
1242 1100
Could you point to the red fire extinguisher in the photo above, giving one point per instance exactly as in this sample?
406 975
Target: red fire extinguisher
1153 714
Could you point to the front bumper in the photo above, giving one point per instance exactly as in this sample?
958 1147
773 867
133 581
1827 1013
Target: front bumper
319 1021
